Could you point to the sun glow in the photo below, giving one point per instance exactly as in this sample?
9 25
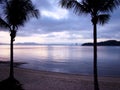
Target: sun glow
4 37
33 38
63 37
54 37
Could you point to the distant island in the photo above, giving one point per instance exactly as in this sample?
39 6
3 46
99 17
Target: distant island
24 43
104 43
32 43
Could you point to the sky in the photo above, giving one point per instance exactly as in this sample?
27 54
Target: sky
57 26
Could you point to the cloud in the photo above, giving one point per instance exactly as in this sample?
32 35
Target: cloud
55 14
60 25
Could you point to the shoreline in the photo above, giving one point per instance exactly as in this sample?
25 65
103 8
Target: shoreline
17 64
46 80
7 63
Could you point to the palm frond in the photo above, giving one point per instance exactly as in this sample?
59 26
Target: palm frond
92 7
82 7
77 7
109 5
67 3
2 1
103 18
3 24
35 13
32 11
19 11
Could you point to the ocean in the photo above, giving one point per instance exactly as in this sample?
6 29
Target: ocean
65 58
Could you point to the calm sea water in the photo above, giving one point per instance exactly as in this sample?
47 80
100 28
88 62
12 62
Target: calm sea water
66 59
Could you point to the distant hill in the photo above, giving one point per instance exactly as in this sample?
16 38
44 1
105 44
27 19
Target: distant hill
105 43
27 43
32 43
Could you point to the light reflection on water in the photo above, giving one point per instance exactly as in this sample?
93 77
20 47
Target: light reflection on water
67 59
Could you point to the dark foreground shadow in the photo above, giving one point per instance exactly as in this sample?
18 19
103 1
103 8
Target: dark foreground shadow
10 84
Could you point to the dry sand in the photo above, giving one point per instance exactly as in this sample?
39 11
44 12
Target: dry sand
44 80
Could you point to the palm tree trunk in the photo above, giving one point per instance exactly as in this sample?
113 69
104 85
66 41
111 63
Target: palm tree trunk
96 86
11 56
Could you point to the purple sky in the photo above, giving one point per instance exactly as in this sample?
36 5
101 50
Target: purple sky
58 25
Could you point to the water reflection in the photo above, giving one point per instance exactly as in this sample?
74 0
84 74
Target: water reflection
54 53
5 53
31 52
58 54
70 59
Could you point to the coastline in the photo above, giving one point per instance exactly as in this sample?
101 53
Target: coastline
46 80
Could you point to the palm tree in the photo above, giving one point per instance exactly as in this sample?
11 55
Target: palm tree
16 13
99 11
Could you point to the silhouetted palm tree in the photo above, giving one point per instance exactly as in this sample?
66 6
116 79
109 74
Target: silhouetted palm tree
16 13
99 11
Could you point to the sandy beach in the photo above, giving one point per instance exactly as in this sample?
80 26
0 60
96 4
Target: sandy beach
45 80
